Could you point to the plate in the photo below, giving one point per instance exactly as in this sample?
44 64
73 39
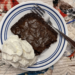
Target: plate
51 55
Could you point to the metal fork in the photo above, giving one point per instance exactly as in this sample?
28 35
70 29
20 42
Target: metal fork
41 12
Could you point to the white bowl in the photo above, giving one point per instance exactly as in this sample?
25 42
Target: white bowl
50 56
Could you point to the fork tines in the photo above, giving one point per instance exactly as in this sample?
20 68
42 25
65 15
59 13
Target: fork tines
38 10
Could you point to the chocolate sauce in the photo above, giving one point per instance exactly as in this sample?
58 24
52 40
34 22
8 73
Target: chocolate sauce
36 31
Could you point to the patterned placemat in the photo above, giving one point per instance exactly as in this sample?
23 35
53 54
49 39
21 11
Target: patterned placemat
65 66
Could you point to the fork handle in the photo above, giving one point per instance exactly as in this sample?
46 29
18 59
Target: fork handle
65 36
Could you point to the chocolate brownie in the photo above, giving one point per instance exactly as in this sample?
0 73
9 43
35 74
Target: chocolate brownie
36 31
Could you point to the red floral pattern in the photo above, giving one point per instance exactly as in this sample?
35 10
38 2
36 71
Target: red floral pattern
63 14
4 4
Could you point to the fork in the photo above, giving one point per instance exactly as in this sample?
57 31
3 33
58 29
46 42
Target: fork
42 13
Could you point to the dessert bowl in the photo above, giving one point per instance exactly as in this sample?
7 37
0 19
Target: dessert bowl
49 56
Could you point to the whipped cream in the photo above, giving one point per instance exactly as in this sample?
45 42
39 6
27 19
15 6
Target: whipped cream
17 52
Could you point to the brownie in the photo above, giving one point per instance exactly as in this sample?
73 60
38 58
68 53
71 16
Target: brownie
36 31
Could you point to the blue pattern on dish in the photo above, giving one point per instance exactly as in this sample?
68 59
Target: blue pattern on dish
48 8
29 8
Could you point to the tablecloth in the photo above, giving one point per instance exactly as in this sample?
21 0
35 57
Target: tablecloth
65 66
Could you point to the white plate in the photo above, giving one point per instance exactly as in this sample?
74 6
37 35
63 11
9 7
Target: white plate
50 56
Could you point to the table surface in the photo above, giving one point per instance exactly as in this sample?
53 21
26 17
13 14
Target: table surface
64 66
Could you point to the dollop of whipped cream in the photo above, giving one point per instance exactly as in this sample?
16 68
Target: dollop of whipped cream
17 52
